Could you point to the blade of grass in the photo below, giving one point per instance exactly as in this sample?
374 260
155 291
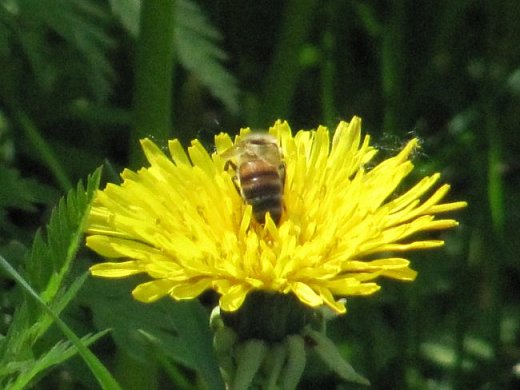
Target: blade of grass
59 353
495 264
43 150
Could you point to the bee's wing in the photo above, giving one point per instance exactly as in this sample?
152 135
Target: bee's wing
232 152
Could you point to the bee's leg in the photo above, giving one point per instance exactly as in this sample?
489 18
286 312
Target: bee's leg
230 165
237 184
281 170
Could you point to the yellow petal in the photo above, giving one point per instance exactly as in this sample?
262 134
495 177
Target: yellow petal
152 291
116 270
233 298
306 294
191 289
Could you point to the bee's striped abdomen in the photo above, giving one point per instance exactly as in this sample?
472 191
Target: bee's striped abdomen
261 187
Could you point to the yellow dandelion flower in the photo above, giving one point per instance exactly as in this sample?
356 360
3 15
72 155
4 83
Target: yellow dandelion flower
182 221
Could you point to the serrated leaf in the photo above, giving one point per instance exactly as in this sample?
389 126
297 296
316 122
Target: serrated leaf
61 301
104 377
127 11
196 41
81 26
46 266
45 269
50 256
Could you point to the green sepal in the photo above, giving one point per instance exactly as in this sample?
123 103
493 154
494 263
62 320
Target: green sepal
224 341
273 364
329 354
249 356
269 316
296 360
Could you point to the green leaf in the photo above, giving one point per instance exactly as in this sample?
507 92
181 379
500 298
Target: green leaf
46 265
51 255
51 36
127 11
197 50
182 327
192 324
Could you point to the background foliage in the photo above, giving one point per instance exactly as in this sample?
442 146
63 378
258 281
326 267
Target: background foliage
70 75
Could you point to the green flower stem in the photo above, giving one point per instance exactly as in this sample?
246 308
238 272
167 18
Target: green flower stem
283 73
152 110
44 151
153 75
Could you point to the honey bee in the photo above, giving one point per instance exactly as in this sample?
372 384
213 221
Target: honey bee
260 173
